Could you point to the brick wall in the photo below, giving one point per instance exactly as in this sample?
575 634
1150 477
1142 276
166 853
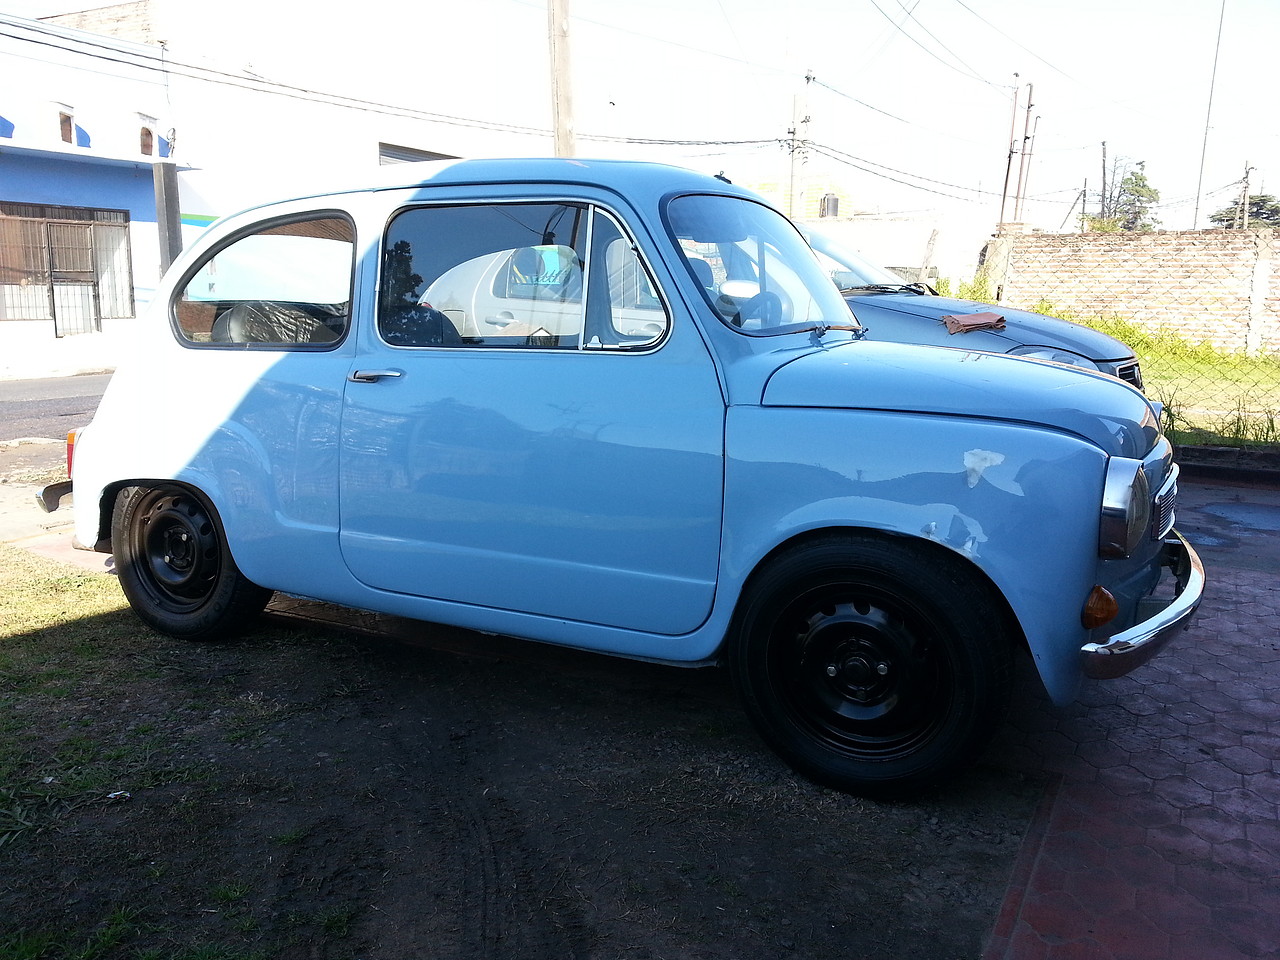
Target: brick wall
1217 286
129 21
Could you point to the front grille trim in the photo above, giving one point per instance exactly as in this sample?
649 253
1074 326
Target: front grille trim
1164 505
1131 373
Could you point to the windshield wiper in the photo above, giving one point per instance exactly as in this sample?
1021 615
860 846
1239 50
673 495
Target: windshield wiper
820 329
917 288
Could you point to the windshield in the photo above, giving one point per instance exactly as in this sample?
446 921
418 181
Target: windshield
848 269
757 272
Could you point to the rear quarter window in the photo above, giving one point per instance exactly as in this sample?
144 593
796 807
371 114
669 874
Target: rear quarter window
286 284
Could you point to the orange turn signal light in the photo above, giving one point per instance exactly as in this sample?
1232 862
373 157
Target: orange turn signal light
1100 608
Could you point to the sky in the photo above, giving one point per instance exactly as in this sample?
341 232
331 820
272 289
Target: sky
912 105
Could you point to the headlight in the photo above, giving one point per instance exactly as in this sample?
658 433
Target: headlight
1054 354
1126 508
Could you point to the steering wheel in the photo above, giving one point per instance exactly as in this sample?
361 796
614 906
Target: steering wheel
765 306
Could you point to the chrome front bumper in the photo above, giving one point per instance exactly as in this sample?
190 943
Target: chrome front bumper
1131 648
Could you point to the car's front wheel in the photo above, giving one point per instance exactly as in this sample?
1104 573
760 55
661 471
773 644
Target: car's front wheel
174 566
870 664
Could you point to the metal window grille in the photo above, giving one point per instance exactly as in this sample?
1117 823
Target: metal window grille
70 265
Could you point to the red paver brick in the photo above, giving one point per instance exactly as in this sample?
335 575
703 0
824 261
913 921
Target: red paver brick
1139 860
1055 917
1130 934
1026 944
1088 949
1103 890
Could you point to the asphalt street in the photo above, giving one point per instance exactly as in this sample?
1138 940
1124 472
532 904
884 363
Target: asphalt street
47 409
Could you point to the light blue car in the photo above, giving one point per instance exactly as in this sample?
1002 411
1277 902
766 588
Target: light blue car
620 407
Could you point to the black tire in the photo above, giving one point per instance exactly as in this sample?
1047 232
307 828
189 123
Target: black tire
174 566
872 665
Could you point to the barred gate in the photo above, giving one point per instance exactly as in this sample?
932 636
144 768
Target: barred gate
68 265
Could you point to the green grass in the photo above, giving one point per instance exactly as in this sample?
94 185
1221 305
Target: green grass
116 930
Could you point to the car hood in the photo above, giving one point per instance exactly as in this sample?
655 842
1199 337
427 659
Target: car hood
1022 326
908 378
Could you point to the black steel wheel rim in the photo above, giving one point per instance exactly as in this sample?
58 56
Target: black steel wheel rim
861 670
177 543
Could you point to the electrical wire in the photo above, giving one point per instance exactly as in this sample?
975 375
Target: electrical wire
1015 42
222 77
858 162
966 72
862 103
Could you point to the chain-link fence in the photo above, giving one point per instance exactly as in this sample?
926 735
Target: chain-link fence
1201 310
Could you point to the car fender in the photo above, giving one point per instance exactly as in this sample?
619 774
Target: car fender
1008 498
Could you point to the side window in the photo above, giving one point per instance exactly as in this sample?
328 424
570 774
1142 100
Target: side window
517 275
286 285
637 316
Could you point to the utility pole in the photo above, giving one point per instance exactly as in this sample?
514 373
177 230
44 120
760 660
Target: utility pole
799 134
1022 160
1024 168
561 88
1008 163
1079 197
1208 114
164 177
1102 203
1241 220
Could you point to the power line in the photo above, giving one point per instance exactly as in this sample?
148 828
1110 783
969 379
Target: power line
911 14
211 75
155 64
862 103
966 72
1015 42
858 163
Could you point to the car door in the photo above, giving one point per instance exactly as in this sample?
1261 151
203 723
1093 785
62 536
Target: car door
539 437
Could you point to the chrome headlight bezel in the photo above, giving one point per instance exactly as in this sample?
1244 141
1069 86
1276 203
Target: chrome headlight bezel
1126 508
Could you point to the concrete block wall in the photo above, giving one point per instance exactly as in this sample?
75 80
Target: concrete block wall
1215 286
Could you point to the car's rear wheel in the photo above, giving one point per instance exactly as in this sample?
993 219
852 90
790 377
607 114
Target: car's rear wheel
174 566
872 665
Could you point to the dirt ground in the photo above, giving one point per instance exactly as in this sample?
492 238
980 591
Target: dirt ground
314 791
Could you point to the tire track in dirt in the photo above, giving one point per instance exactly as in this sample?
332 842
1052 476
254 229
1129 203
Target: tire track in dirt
449 841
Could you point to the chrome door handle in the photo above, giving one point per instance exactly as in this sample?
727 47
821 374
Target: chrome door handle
372 376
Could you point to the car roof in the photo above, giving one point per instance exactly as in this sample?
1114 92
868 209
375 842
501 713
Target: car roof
632 178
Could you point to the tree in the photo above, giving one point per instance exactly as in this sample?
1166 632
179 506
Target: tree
1126 204
1264 211
1134 200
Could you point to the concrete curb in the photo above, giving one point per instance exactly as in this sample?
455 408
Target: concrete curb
1248 464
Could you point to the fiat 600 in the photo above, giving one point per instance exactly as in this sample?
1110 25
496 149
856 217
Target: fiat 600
620 407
